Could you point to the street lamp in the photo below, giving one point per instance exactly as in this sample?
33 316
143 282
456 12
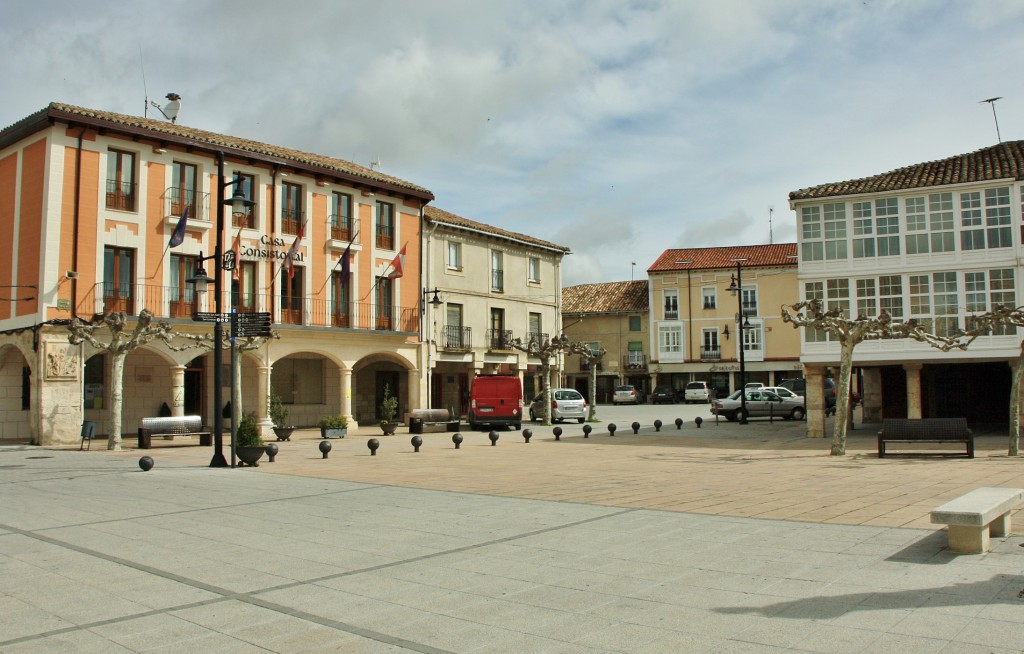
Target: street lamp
737 288
435 302
201 280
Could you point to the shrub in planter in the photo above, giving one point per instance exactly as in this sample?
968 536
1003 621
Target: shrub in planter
388 410
333 426
248 445
279 416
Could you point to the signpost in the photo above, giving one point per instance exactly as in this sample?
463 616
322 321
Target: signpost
250 324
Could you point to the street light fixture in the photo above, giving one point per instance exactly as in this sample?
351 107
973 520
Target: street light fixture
737 288
201 280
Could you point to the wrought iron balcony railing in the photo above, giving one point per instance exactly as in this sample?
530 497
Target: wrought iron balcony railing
710 354
499 339
456 338
634 361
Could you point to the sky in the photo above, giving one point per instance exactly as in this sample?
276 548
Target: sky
616 129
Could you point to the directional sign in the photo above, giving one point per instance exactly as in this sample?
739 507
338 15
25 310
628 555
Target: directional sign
260 318
208 316
250 324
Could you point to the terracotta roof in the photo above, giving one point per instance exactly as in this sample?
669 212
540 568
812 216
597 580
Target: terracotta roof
440 216
163 131
780 254
610 297
1002 161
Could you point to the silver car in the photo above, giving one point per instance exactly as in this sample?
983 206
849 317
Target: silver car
761 403
566 404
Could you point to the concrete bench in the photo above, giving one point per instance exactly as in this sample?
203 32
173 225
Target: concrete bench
925 430
973 517
422 419
171 426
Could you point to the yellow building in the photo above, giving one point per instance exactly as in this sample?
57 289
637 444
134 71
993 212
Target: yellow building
88 204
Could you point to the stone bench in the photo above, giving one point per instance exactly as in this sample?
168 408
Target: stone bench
422 419
925 430
171 426
973 517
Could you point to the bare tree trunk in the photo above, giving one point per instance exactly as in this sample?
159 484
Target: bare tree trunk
593 390
1018 374
842 397
547 394
116 400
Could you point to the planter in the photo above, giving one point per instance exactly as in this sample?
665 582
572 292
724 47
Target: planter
333 432
250 455
283 433
388 427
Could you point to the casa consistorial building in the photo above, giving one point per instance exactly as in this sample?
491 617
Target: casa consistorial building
938 242
103 212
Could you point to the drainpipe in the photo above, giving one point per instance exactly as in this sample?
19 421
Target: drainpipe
74 238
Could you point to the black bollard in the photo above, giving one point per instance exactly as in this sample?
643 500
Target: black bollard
657 425
272 451
146 463
636 427
416 442
557 431
494 437
373 444
325 447
611 429
457 439
586 431
679 423
697 421
527 434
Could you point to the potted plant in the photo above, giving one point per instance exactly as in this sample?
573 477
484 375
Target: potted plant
248 445
333 426
279 416
388 410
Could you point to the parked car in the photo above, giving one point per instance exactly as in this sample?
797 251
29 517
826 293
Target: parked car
566 404
761 403
698 391
751 385
626 395
664 395
781 391
799 386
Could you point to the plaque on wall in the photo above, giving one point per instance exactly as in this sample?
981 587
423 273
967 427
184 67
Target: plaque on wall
61 360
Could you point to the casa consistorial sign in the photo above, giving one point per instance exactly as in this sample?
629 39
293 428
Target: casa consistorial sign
270 248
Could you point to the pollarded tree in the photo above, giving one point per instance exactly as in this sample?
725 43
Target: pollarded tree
849 333
593 358
119 343
545 351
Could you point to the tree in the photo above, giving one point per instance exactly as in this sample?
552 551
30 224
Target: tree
120 342
849 332
544 351
593 358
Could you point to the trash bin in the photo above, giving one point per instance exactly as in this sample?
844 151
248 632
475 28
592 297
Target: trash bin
415 425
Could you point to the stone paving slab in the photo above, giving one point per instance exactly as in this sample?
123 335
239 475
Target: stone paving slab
752 541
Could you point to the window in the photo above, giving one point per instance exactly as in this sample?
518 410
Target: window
454 255
975 293
339 307
812 249
497 271
94 378
887 227
118 278
247 185
536 331
837 296
383 307
867 304
945 303
455 336
835 231
753 337
120 180
291 297
863 231
815 291
341 216
709 343
940 221
291 208
243 287
385 229
997 217
670 341
183 189
710 294
920 300
1001 292
635 354
749 301
635 323
534 269
671 297
917 226
890 296
181 293
497 337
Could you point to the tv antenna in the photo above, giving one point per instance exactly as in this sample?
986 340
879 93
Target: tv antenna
992 103
375 164
770 234
170 110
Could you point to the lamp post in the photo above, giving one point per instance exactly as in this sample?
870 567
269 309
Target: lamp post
737 288
200 281
434 302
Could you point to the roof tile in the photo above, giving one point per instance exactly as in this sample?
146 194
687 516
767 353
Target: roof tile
780 254
610 297
433 214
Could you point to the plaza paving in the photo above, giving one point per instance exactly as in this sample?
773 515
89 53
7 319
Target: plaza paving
727 538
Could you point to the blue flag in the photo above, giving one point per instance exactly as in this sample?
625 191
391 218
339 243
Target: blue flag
346 267
178 237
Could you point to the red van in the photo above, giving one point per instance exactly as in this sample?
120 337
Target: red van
496 400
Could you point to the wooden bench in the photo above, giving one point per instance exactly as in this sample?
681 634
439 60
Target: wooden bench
172 426
973 517
421 419
925 430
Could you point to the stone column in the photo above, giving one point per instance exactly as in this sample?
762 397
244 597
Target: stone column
913 371
814 400
263 402
178 390
346 396
871 400
414 399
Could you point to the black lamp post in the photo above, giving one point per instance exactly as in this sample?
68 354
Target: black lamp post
737 288
434 302
201 281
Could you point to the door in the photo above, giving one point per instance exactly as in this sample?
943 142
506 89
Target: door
390 379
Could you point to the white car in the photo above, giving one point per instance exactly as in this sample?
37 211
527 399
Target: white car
566 404
625 395
697 391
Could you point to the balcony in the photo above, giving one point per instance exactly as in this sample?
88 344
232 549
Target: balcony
245 218
385 238
585 365
537 339
750 309
635 361
456 338
120 195
711 355
176 200
339 228
499 339
291 221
